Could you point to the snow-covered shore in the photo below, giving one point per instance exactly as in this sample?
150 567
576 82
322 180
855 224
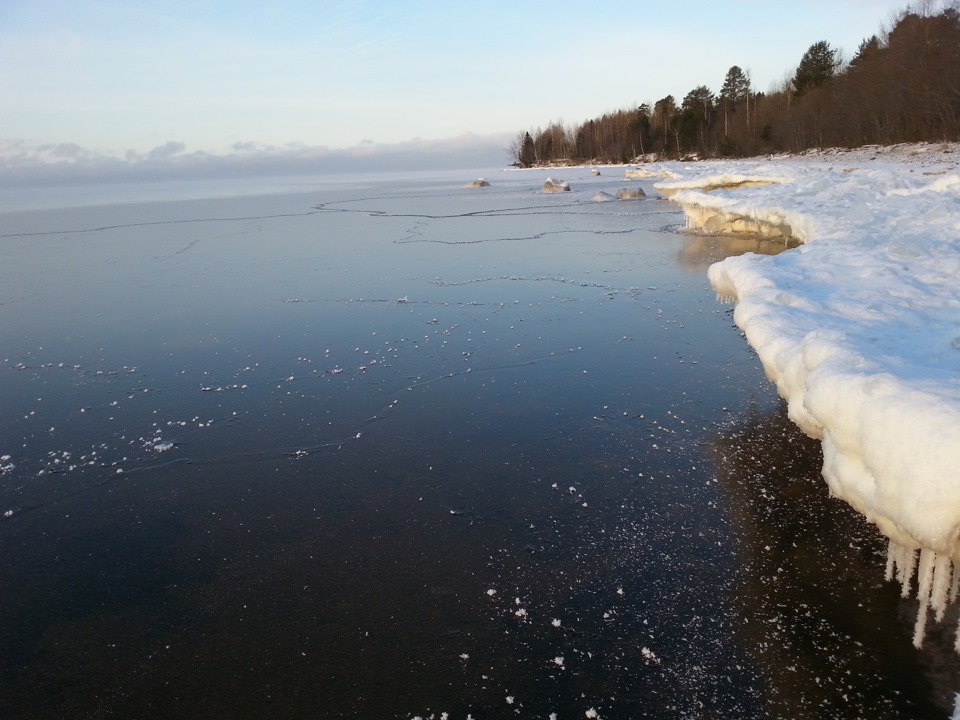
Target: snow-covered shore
859 326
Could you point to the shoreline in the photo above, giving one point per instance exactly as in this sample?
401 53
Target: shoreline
856 327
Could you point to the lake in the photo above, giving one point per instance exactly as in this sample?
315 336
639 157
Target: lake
390 447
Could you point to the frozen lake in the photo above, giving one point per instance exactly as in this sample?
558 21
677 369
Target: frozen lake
391 447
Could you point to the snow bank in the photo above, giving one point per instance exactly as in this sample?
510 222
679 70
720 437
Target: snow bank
655 170
726 181
723 215
859 328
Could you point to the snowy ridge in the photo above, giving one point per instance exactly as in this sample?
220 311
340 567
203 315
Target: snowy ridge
725 181
859 328
646 171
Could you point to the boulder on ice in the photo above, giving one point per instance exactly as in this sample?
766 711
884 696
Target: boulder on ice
553 186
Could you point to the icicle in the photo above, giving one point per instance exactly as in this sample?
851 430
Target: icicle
925 579
954 586
920 628
908 560
942 570
928 559
956 644
892 550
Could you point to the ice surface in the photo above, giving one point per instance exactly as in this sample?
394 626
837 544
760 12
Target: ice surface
859 327
494 326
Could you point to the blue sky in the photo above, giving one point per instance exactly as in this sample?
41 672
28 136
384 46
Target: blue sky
120 78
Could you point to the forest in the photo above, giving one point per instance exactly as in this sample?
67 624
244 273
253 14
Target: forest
902 85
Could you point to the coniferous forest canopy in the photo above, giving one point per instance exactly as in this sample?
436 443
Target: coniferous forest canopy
901 85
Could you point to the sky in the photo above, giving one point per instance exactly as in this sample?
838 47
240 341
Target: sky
101 86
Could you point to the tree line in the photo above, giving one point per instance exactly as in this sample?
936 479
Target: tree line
902 85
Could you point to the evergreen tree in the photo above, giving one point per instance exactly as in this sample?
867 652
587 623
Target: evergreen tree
663 113
528 154
868 50
696 116
736 85
736 88
818 65
699 101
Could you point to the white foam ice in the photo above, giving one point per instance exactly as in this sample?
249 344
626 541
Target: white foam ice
859 327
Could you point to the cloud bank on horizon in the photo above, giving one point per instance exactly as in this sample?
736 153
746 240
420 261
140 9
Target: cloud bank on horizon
107 86
22 164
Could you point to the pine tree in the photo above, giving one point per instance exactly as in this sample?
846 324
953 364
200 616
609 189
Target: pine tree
868 50
736 87
819 64
528 154
697 115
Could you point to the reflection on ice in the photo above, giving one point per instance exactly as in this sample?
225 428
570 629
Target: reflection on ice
812 614
491 407
702 250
